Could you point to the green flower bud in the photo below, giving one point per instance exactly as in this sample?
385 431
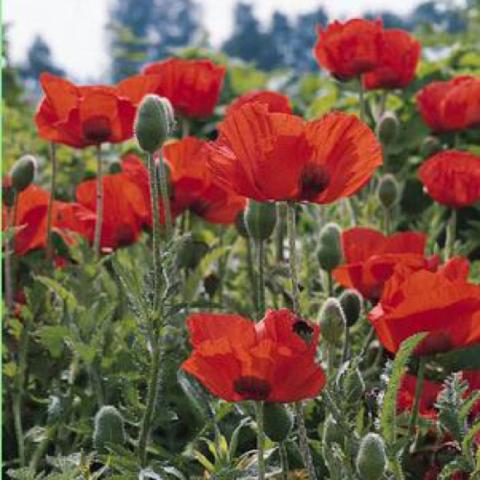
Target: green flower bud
22 172
190 252
331 432
351 303
387 128
260 219
332 321
350 383
430 146
115 167
240 225
388 191
277 421
371 457
154 122
329 251
109 428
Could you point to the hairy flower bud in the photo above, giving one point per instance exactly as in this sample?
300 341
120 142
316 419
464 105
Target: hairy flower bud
371 457
23 172
332 321
430 146
277 421
332 432
388 191
351 303
109 428
329 251
387 128
260 219
154 122
350 384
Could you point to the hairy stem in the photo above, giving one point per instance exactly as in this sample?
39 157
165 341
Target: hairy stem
418 395
451 233
283 460
260 244
165 196
260 440
303 437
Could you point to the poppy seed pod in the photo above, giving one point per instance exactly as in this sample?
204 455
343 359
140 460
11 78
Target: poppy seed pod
371 457
351 303
387 128
330 247
388 191
260 219
430 145
332 321
109 428
22 172
154 122
277 421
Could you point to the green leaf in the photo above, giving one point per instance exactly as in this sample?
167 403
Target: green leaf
389 407
52 337
461 359
67 297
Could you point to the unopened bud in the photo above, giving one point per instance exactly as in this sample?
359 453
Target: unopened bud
387 128
332 321
350 383
260 219
190 252
332 433
277 421
154 122
371 457
109 428
330 247
430 146
388 191
351 303
22 172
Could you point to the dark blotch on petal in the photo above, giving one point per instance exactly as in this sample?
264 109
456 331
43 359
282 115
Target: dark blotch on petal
97 129
314 179
252 388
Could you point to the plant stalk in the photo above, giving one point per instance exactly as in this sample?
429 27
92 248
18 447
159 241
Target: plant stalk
165 196
260 440
451 233
418 395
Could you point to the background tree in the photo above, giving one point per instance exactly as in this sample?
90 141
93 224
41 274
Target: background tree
39 59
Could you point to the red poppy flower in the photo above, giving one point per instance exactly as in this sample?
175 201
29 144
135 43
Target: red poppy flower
370 258
445 305
31 220
124 209
276 101
193 185
192 86
273 360
349 49
89 115
452 178
276 156
399 55
451 105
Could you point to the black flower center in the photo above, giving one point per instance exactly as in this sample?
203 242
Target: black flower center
97 128
314 179
252 388
303 330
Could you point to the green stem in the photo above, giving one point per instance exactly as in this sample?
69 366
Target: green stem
283 460
279 232
346 345
250 271
99 205
185 127
260 440
361 99
418 395
386 220
451 233
51 199
165 196
156 232
41 448
9 248
260 245
303 437
292 255
152 393
329 288
331 354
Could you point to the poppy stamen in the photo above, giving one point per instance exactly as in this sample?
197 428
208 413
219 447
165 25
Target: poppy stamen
314 179
97 128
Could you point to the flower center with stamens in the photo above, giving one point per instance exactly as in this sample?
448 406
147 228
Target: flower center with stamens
97 128
314 179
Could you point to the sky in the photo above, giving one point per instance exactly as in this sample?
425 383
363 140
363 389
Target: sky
75 29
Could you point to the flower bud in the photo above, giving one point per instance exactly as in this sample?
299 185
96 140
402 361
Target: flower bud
190 252
260 219
240 224
329 251
154 122
350 383
388 191
22 172
371 457
109 428
115 167
277 421
332 432
8 193
351 303
332 321
430 146
387 128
